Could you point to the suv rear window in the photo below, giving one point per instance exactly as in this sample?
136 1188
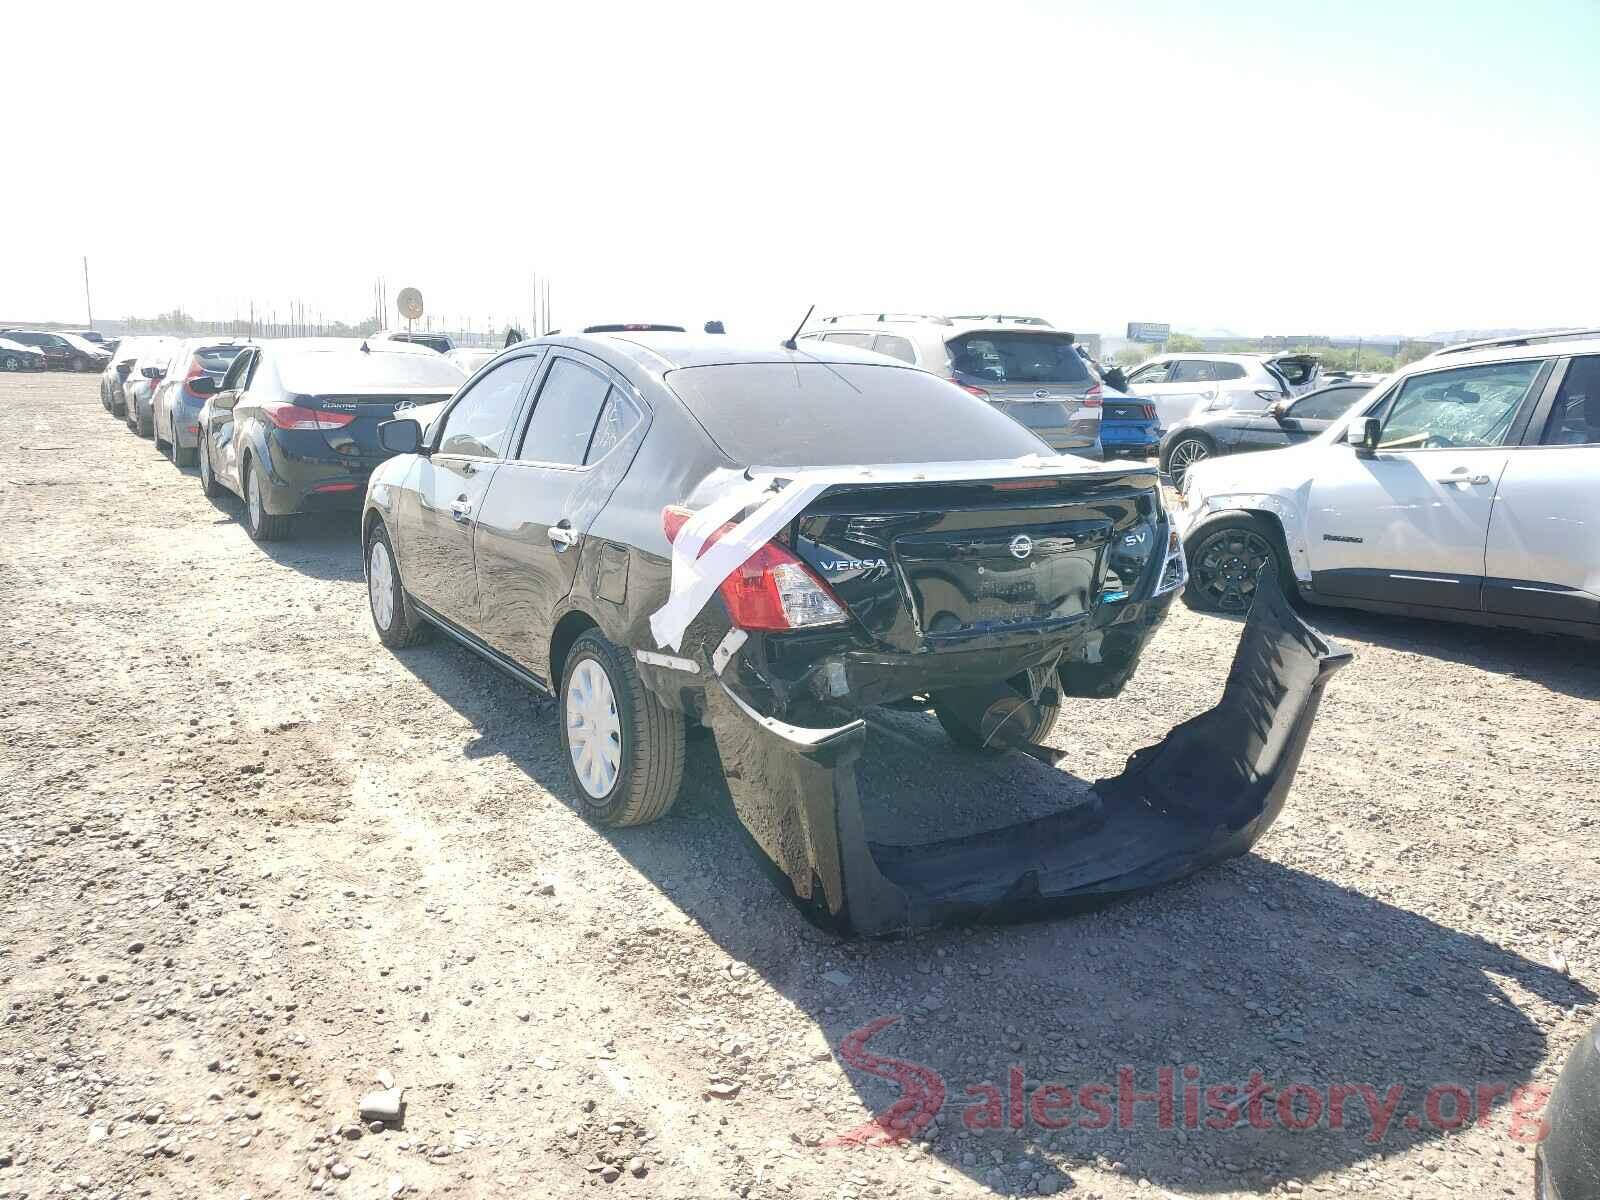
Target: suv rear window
835 414
350 372
1004 356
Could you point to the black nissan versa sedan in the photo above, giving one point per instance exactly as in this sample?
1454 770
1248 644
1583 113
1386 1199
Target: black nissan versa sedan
293 425
663 529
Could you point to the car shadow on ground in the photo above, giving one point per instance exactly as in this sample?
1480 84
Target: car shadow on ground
321 546
1299 1026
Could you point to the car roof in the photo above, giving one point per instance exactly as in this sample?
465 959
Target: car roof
1501 352
659 353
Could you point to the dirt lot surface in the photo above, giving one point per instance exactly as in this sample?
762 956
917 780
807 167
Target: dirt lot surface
255 866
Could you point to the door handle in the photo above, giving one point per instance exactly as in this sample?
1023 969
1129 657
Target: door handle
1478 479
462 509
562 535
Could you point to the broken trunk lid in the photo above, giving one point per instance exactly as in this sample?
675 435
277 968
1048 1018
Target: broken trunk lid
924 565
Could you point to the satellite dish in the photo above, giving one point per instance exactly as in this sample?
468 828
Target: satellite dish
409 302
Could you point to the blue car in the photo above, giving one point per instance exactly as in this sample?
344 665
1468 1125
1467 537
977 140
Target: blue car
176 406
1128 427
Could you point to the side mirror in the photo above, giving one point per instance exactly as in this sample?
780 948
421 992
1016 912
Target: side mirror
152 372
1278 409
1363 435
204 385
400 436
225 400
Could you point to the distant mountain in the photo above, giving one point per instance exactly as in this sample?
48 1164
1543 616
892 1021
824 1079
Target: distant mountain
1478 335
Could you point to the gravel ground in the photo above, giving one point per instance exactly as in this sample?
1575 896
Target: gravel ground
256 866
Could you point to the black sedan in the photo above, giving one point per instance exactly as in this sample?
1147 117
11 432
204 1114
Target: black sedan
663 530
1239 431
14 356
293 425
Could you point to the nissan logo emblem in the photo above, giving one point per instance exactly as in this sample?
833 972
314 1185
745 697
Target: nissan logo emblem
1021 546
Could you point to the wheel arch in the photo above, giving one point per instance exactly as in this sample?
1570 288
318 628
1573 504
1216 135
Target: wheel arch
1164 455
1268 516
573 624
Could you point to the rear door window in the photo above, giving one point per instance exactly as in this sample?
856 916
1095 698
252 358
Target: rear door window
565 414
1327 404
478 425
861 340
1006 356
1195 370
617 420
895 346
1575 419
1225 371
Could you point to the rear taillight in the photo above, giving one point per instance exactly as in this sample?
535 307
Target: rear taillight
770 591
292 416
1149 412
1093 397
967 387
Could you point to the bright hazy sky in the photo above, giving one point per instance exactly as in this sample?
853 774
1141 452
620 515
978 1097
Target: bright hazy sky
1342 167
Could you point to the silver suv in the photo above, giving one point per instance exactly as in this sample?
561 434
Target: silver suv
1020 365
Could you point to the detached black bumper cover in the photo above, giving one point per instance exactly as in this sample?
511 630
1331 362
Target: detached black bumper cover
1206 793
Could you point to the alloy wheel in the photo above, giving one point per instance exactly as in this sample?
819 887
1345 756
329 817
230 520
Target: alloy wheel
13 363
1184 455
594 730
380 584
1225 569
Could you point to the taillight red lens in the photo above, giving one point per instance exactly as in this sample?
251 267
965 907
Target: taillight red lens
1149 412
292 416
1093 397
770 591
195 371
968 388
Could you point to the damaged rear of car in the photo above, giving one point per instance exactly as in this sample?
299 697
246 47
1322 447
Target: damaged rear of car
666 531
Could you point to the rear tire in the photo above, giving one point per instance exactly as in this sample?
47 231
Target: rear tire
208 481
1224 558
393 616
954 716
623 747
162 445
11 362
182 456
144 424
261 525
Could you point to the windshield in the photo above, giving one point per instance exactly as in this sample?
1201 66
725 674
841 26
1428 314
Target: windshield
1004 356
804 414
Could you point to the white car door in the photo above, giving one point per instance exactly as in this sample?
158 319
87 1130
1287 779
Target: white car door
1170 386
1408 522
1543 554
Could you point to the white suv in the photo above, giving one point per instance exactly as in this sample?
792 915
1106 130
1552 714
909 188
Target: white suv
1020 365
1467 489
1184 385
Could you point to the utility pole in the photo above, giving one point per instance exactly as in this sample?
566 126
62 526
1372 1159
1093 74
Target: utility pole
87 303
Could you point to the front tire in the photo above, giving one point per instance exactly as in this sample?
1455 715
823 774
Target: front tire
1185 453
624 748
1225 558
262 525
394 618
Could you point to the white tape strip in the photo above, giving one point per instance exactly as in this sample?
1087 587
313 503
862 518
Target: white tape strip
780 496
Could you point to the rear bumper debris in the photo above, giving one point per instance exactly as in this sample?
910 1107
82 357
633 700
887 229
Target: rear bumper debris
1205 793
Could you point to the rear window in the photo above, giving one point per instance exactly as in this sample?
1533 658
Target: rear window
349 372
1017 357
433 341
835 414
215 360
